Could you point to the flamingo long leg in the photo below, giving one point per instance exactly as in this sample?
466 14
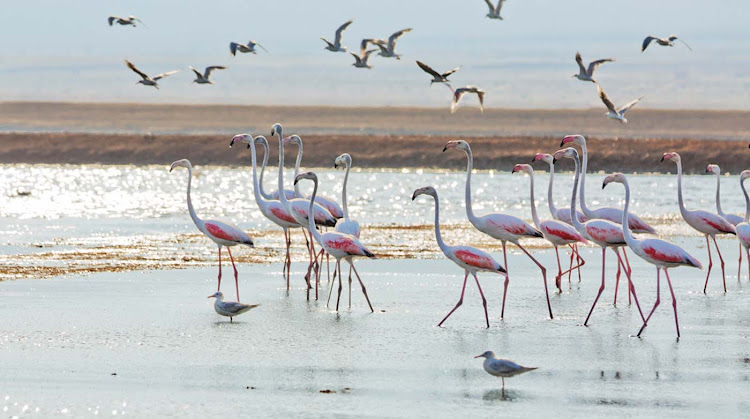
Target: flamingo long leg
631 287
236 280
559 269
601 288
721 259
350 285
629 271
288 258
460 301
739 262
570 266
579 260
364 290
674 302
338 268
658 284
747 253
617 280
710 263
484 300
330 289
507 280
218 287
544 277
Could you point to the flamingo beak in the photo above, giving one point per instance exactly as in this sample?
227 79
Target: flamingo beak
662 159
414 196
231 143
445 148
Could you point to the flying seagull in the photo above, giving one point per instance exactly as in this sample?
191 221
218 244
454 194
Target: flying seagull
388 49
458 94
502 367
614 113
362 60
436 77
587 74
665 42
336 45
203 78
130 20
230 308
494 11
249 47
146 80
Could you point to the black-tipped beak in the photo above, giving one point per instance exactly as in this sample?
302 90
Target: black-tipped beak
231 143
414 196
662 159
748 146
513 171
554 160
562 143
295 181
533 159
603 185
248 146
445 148
335 166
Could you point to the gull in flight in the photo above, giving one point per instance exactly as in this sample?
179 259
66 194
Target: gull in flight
502 367
230 308
458 94
615 113
388 49
336 45
494 11
130 20
587 74
146 80
665 42
436 77
249 47
362 60
203 78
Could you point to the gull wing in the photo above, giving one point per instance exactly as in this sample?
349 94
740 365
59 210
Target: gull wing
608 103
579 60
491 6
594 64
327 42
132 67
500 6
457 95
252 44
197 73
503 366
208 71
162 75
429 70
449 72
627 107
233 48
112 19
480 94
673 38
646 42
341 28
393 38
356 57
367 54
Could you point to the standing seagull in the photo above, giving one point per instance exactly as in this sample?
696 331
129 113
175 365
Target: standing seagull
615 113
130 20
388 49
461 91
336 45
149 81
502 367
203 78
495 11
587 74
665 42
230 308
436 77
249 47
362 60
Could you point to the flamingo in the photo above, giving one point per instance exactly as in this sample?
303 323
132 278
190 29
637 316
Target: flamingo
743 228
556 232
348 226
339 245
275 194
660 253
298 209
471 259
732 218
605 233
223 233
503 227
705 222
271 209
327 203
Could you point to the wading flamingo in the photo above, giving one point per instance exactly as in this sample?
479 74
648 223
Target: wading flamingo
347 226
470 259
273 210
327 203
705 222
743 228
732 218
503 227
556 232
339 245
275 194
660 253
221 232
605 233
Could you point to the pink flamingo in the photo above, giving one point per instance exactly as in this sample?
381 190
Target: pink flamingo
470 259
556 232
339 245
705 222
221 232
298 209
660 253
327 203
273 210
347 226
732 218
605 233
743 228
503 227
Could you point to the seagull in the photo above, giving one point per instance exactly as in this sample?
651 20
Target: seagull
203 78
149 81
458 93
502 367
336 45
436 77
614 113
666 42
130 20
494 11
249 47
586 74
362 59
388 49
230 308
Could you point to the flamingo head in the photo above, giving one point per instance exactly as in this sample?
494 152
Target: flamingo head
543 157
218 295
260 140
181 163
241 138
568 153
614 177
744 175
307 175
276 129
460 145
425 190
575 139
672 156
344 160
486 354
713 168
523 168
293 139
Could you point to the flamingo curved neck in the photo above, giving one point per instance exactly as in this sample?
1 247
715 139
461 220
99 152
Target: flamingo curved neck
533 203
296 169
343 192
198 222
550 202
573 213
282 195
584 167
747 201
718 195
683 210
469 168
438 236
629 239
256 187
263 170
310 218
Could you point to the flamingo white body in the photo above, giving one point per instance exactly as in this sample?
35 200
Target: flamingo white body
494 12
660 253
732 218
502 367
503 227
223 233
587 73
665 42
275 194
325 202
461 91
388 49
347 225
556 232
204 78
339 245
245 48
230 309
707 223
336 46
470 259
743 228
604 233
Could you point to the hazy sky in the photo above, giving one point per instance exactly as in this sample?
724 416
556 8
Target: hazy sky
51 52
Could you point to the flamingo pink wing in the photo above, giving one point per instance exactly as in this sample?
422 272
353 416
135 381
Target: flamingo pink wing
473 259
